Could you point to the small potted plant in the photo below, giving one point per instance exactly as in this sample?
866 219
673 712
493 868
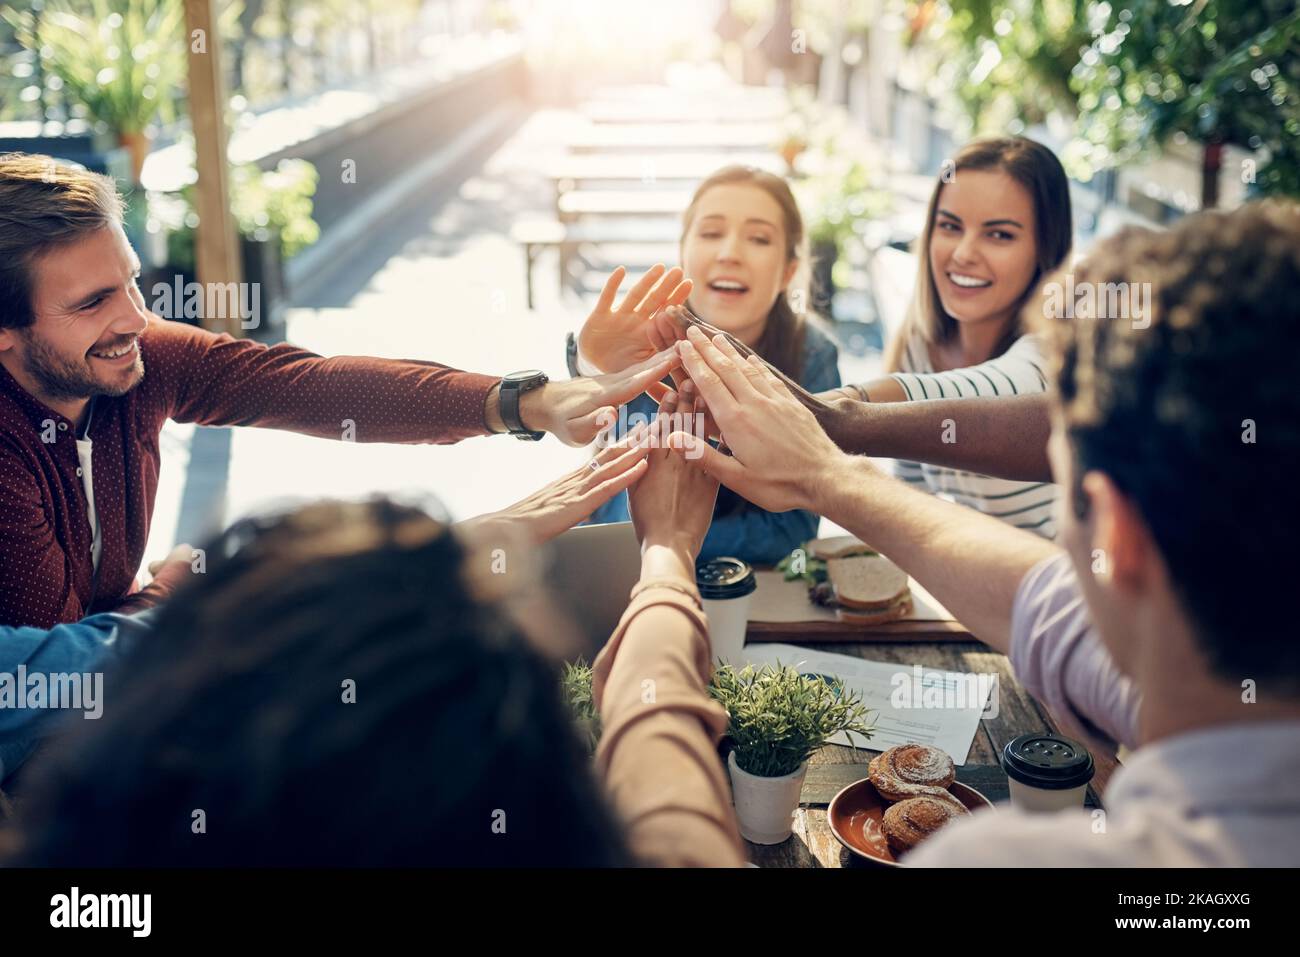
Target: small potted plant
121 61
273 211
779 718
575 679
797 130
841 201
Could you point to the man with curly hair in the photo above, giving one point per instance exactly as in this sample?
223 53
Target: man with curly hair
1162 622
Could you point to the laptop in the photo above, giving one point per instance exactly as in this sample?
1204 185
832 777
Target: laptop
592 569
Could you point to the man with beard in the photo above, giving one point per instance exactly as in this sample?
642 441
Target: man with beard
88 376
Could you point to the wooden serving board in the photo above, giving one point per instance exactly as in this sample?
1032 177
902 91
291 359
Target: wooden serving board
781 611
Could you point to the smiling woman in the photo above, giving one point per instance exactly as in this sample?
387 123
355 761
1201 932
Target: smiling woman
999 221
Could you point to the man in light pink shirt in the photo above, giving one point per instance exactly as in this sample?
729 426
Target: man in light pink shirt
1162 623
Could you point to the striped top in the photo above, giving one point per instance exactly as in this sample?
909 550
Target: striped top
1018 371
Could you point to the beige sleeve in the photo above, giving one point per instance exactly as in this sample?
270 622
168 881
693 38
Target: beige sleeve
658 752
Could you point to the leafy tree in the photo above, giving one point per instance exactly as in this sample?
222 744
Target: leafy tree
1217 71
1009 62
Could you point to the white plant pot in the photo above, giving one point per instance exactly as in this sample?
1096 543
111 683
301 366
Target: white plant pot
765 806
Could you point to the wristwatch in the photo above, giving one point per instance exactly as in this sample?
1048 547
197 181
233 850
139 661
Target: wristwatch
512 387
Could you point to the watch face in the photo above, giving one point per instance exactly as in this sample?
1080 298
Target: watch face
524 376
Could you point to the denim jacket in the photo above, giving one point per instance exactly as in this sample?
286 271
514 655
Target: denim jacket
82 648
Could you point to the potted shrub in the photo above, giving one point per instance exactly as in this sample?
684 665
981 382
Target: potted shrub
576 682
840 201
273 211
121 60
797 132
779 718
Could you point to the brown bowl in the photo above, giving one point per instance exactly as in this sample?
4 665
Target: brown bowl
856 811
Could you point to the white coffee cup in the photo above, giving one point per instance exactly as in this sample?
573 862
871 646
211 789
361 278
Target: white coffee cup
1046 772
727 587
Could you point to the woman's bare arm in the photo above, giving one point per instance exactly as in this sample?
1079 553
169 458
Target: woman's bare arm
1002 437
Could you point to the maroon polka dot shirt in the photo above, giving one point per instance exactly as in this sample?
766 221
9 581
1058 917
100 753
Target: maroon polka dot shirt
195 376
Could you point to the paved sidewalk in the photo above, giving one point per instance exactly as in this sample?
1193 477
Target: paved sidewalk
443 283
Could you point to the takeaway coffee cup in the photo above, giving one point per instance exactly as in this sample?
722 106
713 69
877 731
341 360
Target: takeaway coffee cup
1047 772
726 585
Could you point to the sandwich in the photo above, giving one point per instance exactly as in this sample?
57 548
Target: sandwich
869 589
844 572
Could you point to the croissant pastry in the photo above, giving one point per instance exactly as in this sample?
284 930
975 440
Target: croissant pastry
909 822
913 770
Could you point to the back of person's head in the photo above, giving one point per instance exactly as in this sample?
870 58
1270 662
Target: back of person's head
44 204
1189 403
328 692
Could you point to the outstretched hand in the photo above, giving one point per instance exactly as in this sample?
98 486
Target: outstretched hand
780 456
575 410
672 503
615 337
670 326
561 504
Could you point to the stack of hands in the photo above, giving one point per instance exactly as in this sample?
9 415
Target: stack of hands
772 448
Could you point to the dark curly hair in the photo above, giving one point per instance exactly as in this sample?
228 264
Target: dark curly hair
236 707
1196 417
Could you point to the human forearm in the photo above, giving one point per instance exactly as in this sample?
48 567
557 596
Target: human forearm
79 648
971 563
216 380
781 459
1002 437
665 558
658 753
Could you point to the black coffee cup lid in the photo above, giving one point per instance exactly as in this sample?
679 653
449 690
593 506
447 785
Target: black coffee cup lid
1047 761
724 577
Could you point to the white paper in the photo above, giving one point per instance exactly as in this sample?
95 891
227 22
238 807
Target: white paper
950 727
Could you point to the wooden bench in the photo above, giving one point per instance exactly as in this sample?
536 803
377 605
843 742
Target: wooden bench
538 234
710 110
621 203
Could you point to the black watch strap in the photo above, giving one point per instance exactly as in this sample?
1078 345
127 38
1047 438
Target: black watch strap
512 388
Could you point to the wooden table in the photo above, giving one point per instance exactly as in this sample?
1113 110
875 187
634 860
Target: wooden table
813 844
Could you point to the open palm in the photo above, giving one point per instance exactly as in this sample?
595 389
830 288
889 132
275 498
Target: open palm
615 337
